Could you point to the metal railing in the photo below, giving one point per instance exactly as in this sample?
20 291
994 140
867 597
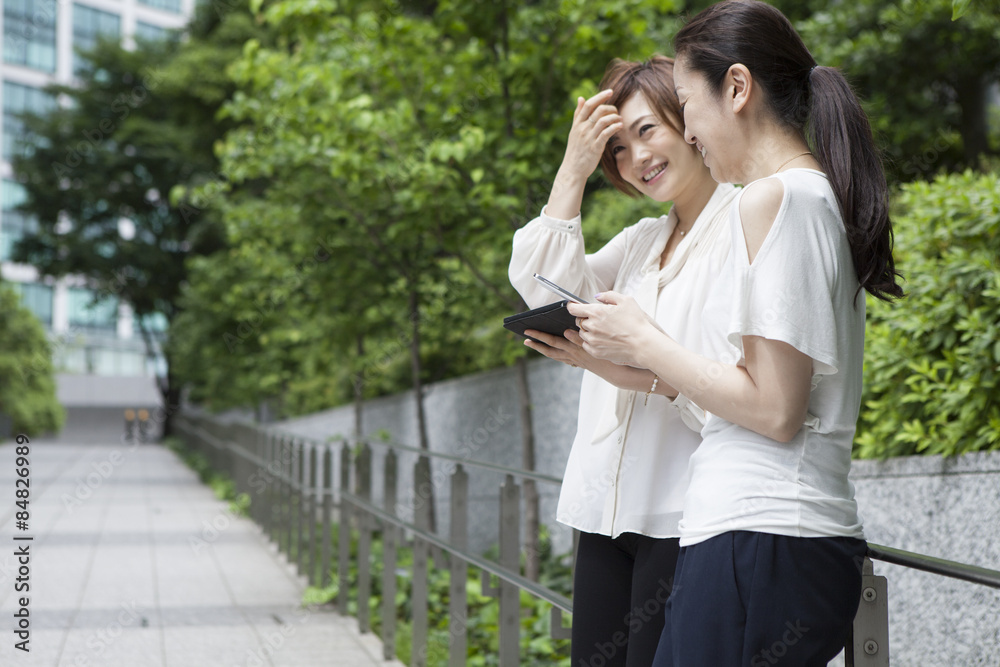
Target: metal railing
291 481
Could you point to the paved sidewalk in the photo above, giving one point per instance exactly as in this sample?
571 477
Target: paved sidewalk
126 569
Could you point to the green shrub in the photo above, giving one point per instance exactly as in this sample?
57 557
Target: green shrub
932 360
27 381
222 485
482 630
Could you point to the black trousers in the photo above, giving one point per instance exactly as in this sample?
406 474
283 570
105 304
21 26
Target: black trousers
620 589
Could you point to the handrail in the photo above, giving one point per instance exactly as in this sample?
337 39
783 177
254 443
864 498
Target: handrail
939 566
492 567
292 500
486 465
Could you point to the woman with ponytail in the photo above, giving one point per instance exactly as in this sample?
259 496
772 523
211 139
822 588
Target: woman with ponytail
769 571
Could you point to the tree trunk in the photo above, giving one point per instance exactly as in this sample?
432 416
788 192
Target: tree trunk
972 91
359 391
532 561
170 392
423 487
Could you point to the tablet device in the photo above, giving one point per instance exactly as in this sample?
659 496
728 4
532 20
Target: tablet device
552 319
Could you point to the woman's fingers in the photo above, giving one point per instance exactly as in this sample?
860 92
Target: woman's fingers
552 352
550 340
587 108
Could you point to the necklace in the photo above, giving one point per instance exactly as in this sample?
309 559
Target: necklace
790 159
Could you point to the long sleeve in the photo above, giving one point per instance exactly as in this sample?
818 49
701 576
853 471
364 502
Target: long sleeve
555 249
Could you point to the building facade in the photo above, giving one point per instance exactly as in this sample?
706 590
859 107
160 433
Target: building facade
40 43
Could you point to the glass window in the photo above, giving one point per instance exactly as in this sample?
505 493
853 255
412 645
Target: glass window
14 225
18 99
152 33
168 5
37 298
100 317
156 323
88 25
29 33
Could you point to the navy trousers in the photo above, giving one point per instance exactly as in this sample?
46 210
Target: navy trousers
745 599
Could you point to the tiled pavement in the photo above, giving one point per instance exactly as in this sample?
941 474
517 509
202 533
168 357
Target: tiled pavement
135 563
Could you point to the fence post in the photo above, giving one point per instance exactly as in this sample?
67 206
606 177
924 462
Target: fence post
271 493
364 481
344 537
313 508
422 514
389 533
273 487
290 501
458 604
301 507
510 558
868 643
325 565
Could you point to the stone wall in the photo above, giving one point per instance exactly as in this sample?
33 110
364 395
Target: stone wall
948 508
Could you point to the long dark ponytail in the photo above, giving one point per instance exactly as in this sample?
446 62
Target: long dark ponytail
817 101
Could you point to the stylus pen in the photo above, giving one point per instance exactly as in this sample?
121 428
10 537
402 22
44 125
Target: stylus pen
558 290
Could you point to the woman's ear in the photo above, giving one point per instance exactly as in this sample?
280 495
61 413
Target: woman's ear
740 84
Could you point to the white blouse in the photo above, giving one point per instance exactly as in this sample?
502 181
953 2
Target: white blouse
627 469
801 289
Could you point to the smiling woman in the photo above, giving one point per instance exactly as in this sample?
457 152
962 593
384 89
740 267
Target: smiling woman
771 535
626 475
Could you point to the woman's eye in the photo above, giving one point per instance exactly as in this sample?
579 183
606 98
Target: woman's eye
642 130
615 150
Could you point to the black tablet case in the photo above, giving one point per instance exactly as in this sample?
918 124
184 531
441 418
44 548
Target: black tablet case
553 319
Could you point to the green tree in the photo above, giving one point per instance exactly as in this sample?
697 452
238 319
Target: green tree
924 76
413 160
27 387
141 124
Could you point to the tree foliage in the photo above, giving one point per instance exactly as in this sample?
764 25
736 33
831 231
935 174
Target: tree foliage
406 166
932 373
27 383
99 178
925 78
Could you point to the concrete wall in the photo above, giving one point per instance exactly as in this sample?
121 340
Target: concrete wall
948 508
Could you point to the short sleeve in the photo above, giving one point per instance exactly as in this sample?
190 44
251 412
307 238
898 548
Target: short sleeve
787 294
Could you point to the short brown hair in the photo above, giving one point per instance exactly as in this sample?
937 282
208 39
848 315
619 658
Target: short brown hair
654 78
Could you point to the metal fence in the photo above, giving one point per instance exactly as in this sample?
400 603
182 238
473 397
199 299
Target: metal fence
295 494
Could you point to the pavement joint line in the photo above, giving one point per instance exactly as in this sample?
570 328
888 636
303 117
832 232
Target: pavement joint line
154 565
89 570
101 545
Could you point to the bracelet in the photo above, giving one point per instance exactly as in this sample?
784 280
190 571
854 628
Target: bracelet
651 389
